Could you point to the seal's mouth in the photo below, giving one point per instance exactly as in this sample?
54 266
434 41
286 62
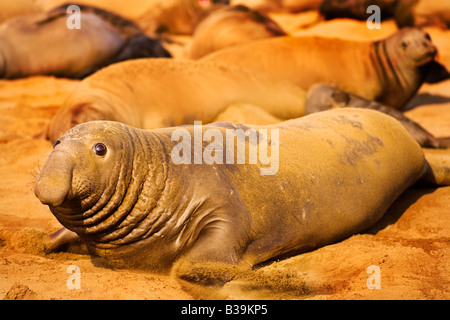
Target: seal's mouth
428 56
427 49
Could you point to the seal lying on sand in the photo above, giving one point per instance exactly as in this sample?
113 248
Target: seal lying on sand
321 97
389 71
42 43
173 16
230 26
333 174
155 93
279 5
400 10
10 9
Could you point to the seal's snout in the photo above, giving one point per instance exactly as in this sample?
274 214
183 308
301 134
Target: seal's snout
52 191
54 182
432 50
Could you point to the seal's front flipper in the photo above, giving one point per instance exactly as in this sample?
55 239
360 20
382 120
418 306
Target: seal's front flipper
436 72
438 167
214 258
64 240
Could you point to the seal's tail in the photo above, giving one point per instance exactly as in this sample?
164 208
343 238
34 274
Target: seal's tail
443 143
438 171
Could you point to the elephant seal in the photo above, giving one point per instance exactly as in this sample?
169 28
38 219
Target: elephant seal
10 9
279 5
152 16
155 93
400 10
389 71
230 26
431 12
52 48
321 97
126 193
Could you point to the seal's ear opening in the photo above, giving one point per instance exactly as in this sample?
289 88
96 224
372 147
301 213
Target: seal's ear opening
436 72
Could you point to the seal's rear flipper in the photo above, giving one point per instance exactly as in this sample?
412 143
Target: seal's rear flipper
438 167
443 142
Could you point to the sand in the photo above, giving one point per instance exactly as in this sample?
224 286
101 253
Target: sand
408 249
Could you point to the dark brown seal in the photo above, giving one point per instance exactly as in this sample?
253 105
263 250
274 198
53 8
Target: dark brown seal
321 97
400 10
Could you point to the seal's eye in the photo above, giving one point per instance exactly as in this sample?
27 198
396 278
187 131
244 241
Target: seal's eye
100 149
405 43
56 143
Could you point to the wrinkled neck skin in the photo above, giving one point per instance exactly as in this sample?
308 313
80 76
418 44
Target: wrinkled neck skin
129 208
399 80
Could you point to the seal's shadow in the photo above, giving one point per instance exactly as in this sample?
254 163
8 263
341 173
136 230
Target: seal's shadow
399 207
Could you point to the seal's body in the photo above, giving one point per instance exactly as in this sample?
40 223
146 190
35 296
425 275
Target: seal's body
230 26
156 93
389 71
119 189
400 10
321 97
47 43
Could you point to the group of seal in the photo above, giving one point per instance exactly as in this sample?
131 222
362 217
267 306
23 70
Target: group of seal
111 180
117 188
404 12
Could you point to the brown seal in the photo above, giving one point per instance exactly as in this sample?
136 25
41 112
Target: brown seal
52 48
155 93
230 26
389 71
143 199
152 16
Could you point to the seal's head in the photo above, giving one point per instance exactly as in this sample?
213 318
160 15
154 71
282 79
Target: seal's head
413 46
75 173
91 104
69 117
95 176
